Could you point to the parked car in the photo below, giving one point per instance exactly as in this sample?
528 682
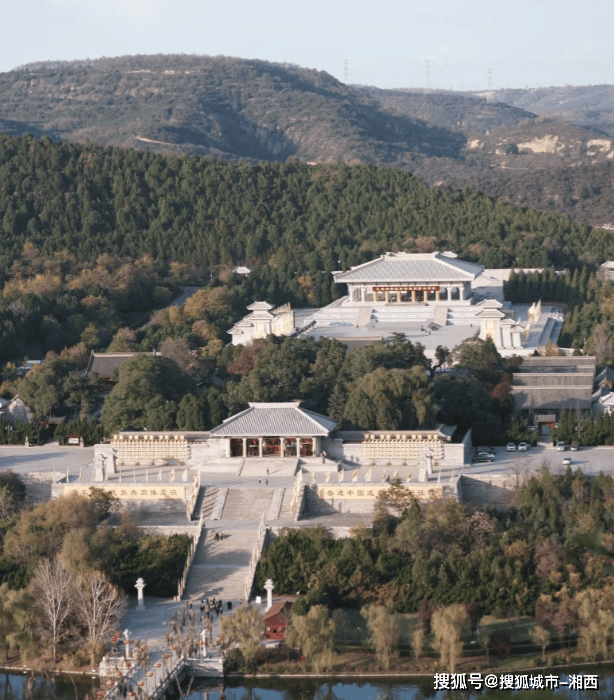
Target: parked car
523 446
566 461
484 458
560 446
486 451
511 447
574 446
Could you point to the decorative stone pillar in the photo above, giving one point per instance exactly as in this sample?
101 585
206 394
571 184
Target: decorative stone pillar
461 291
437 295
413 295
268 587
449 288
363 294
244 447
282 442
228 450
140 584
260 441
387 296
298 446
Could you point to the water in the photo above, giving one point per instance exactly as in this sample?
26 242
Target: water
19 686
307 689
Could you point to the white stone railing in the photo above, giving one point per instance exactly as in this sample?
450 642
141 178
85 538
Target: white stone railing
262 530
193 497
298 497
186 569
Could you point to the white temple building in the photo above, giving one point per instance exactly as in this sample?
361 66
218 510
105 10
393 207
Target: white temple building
433 298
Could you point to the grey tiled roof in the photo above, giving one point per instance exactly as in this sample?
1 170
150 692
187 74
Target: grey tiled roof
105 363
275 420
405 267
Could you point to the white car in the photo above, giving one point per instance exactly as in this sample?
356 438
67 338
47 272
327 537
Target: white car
523 446
566 461
511 447
560 446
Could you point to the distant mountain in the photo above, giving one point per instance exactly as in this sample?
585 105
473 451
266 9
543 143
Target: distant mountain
214 106
449 110
254 111
589 106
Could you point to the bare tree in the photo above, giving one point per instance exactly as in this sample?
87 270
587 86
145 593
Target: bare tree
100 607
53 590
541 638
385 633
448 625
244 629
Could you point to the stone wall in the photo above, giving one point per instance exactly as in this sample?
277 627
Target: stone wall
38 486
488 490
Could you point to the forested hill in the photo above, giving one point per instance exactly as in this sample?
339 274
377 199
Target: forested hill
213 106
291 222
255 111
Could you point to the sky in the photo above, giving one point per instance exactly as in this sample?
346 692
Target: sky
438 44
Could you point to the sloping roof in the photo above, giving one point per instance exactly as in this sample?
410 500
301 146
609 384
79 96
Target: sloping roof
408 267
275 420
105 363
275 609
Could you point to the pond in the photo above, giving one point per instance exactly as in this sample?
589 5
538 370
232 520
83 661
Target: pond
393 689
19 686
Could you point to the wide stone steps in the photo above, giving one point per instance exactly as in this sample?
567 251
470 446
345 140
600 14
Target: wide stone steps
247 504
220 567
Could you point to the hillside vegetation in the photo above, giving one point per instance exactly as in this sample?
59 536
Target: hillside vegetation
252 110
291 219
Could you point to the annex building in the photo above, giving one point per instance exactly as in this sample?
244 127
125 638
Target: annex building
433 298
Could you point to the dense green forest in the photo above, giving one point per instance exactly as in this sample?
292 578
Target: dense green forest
84 202
446 552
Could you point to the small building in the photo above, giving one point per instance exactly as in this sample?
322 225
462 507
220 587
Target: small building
277 618
606 271
104 364
17 410
262 321
274 430
242 270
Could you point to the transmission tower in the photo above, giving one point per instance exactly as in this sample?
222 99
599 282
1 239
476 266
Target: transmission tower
346 72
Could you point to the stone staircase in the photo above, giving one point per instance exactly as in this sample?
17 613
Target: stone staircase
220 568
440 316
205 502
247 504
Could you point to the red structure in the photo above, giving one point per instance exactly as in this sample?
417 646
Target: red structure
277 618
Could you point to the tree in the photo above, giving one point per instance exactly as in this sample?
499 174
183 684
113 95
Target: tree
53 591
190 414
448 625
100 607
481 359
417 642
314 635
178 350
541 638
385 632
244 629
17 619
141 380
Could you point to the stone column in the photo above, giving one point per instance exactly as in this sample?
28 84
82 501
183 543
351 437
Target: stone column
268 587
437 295
281 446
461 291
244 447
260 441
363 294
413 295
387 297
449 288
140 584
298 446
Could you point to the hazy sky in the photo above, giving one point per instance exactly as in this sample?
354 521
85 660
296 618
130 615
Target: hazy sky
388 44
